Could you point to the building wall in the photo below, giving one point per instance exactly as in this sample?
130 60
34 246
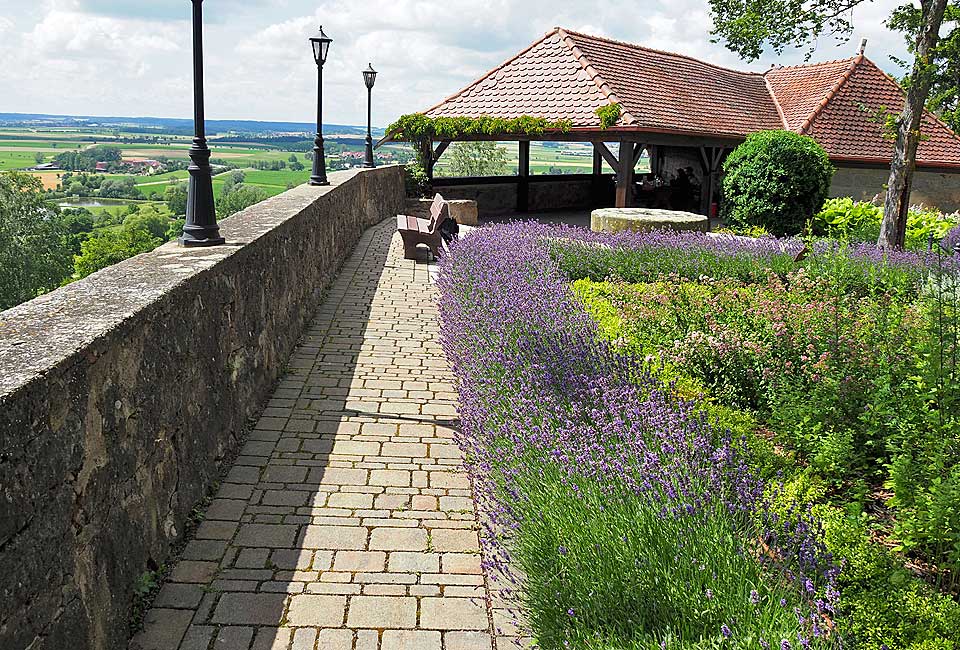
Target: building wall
121 393
941 190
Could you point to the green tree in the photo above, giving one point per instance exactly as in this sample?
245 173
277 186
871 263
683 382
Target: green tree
292 158
234 179
149 219
34 256
239 198
175 229
39 157
176 197
108 247
79 223
478 159
748 26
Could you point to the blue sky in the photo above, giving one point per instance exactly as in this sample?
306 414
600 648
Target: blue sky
132 57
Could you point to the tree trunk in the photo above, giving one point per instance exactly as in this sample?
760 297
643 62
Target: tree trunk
893 230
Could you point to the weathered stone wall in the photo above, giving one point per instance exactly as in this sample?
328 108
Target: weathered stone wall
120 394
941 190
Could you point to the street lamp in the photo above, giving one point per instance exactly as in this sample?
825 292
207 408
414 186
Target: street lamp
321 45
369 78
201 227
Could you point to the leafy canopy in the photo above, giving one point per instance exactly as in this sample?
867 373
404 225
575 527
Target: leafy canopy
483 158
749 26
34 251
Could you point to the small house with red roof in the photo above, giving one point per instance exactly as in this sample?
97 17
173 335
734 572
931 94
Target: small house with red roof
683 113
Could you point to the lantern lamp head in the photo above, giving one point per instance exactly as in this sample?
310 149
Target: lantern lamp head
369 76
321 45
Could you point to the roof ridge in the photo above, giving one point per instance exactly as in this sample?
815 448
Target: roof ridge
776 103
797 66
494 69
926 112
665 52
854 62
593 73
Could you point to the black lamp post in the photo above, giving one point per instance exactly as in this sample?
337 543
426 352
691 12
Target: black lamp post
321 45
369 78
201 227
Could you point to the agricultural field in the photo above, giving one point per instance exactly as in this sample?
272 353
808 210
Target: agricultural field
22 149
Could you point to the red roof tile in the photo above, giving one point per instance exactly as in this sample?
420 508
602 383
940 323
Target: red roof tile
568 75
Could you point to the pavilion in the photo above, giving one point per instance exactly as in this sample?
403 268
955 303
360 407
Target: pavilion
685 113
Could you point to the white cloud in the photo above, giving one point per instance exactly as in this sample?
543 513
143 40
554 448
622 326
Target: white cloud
113 57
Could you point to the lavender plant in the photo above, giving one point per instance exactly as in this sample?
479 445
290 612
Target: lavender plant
616 513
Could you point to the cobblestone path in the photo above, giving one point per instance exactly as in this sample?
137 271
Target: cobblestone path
346 523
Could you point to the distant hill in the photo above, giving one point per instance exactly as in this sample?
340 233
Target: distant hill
175 126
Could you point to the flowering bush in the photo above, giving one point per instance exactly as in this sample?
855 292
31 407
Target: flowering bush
617 512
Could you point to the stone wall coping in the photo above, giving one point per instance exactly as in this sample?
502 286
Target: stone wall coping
38 336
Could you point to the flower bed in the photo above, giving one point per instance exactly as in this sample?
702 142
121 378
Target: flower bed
633 519
656 454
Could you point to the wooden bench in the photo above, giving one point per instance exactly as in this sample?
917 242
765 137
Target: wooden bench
416 231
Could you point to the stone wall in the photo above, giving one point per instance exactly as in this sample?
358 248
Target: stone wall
120 395
941 190
498 196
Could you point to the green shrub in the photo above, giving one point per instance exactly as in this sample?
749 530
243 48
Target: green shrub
849 220
416 181
775 179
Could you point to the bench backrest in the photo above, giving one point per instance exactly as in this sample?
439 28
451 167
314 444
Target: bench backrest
439 212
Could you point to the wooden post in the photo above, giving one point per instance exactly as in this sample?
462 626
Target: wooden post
625 175
597 161
523 179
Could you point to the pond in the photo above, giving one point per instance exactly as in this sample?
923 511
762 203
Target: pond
81 202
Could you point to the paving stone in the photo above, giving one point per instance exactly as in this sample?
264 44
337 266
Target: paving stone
359 561
467 641
398 539
197 637
382 612
250 609
407 562
233 638
453 614
304 639
335 640
316 610
193 571
272 638
335 537
163 629
410 640
266 535
455 540
179 596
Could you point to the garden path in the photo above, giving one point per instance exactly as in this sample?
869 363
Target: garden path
347 522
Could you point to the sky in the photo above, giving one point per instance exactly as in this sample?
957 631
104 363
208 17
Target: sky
133 57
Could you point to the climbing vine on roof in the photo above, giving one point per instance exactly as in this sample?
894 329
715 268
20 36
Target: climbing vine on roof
419 127
608 114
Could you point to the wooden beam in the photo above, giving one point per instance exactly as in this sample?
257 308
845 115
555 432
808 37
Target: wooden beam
523 184
638 150
440 149
625 175
597 162
607 155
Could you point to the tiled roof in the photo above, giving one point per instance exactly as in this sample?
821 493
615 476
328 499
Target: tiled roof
667 92
847 125
545 80
568 75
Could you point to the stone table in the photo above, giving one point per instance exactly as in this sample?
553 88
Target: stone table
646 219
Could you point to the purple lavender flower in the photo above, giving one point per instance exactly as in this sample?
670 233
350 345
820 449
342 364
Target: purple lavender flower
725 631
